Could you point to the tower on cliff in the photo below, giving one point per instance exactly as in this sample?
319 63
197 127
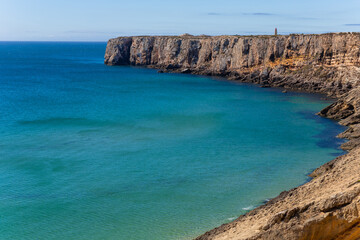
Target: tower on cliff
275 31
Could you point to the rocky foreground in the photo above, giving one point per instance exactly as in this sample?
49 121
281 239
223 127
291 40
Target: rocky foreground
327 207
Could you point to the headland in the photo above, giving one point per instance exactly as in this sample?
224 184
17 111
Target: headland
327 207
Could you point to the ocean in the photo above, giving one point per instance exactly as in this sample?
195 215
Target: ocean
89 151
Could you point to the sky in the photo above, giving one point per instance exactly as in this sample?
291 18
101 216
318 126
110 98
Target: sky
95 20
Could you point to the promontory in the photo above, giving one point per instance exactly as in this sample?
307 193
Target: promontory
328 206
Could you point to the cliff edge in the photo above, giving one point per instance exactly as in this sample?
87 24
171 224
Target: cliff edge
327 207
327 63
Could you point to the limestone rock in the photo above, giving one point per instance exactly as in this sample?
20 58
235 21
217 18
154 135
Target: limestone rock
327 63
328 206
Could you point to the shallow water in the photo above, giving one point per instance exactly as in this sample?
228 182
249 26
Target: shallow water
89 151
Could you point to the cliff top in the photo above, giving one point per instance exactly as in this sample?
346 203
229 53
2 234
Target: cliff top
203 36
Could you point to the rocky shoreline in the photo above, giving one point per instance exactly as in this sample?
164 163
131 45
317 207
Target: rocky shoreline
327 207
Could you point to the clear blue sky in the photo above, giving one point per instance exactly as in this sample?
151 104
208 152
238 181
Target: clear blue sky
95 20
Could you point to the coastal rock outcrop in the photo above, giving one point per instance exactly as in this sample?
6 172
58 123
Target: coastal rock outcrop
327 63
327 207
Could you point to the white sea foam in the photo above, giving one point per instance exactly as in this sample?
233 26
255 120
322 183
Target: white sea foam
251 207
231 219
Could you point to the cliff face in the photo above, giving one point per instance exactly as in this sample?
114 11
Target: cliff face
328 207
326 63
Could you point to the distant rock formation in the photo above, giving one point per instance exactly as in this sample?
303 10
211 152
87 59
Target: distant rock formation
326 208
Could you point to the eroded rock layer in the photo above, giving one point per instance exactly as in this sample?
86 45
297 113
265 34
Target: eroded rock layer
327 207
326 63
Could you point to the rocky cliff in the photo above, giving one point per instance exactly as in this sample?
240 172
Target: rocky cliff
328 207
326 63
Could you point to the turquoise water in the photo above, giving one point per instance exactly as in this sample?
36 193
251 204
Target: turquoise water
89 151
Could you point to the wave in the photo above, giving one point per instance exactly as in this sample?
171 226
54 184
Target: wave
248 208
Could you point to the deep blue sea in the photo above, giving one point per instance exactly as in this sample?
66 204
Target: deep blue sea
89 151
